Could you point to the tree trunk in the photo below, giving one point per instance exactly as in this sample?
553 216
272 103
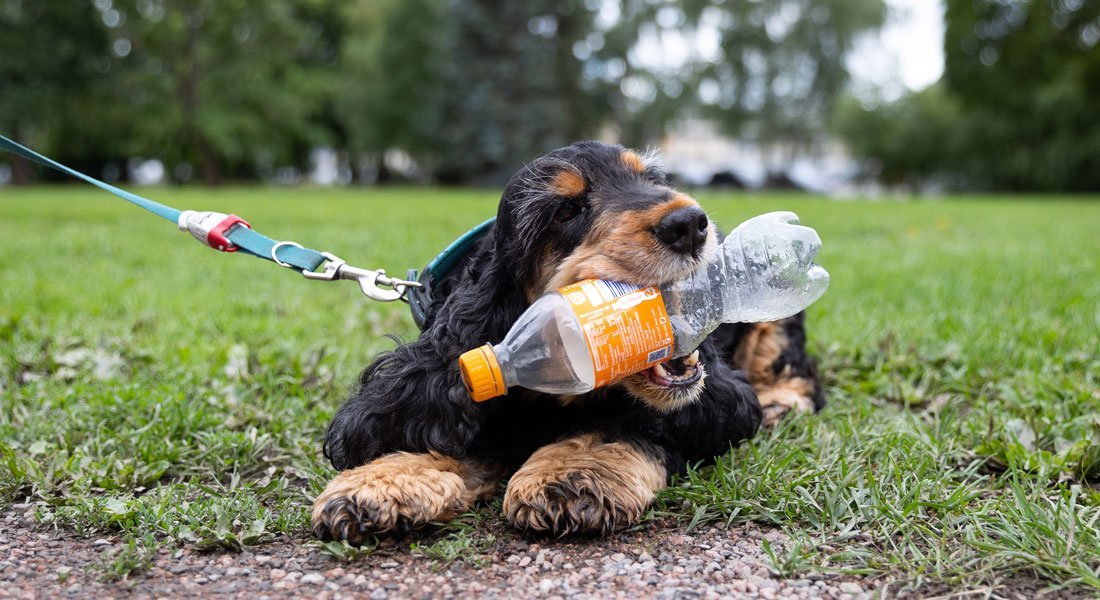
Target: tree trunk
384 174
211 169
189 98
21 172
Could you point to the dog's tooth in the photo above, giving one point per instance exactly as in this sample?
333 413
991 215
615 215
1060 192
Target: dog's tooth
660 371
692 359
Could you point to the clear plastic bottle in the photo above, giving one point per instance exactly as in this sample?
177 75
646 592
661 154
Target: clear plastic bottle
593 333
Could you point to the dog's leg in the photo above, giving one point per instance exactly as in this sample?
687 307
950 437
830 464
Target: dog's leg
583 484
399 491
774 357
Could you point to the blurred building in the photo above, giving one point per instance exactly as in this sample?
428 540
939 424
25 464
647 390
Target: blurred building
698 154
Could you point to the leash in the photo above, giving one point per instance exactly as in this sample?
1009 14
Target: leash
229 233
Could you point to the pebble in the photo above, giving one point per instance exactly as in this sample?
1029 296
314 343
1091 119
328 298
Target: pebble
851 587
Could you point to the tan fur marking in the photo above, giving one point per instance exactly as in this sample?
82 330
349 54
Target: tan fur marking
632 161
568 183
758 351
778 394
399 490
788 396
582 485
621 246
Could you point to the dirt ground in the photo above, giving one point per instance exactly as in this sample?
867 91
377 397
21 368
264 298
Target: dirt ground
39 562
655 562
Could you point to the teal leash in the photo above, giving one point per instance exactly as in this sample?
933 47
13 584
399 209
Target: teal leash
229 233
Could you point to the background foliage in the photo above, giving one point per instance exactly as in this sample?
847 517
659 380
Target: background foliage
467 88
1015 110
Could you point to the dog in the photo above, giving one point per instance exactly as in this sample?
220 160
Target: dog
413 448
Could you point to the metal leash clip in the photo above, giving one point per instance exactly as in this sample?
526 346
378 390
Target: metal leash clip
369 280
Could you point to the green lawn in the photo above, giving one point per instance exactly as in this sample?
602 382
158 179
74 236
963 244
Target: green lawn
173 395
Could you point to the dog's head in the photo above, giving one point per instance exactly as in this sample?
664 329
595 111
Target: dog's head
594 210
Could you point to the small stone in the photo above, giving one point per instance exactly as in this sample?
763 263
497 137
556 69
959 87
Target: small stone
546 585
277 574
334 573
526 560
101 542
389 565
851 587
312 578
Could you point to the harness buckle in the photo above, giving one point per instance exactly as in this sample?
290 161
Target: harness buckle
369 280
210 228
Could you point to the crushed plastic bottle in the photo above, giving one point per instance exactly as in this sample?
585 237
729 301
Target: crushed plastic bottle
594 333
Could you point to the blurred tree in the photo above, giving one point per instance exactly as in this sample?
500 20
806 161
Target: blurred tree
513 85
642 98
782 67
1027 73
224 84
48 53
390 95
907 142
1016 109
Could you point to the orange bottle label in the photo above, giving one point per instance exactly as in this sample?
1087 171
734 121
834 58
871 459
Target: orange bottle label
627 327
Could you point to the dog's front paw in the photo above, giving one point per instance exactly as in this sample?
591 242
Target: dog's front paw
792 396
582 486
397 492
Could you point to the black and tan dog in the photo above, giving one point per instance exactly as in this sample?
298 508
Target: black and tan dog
411 445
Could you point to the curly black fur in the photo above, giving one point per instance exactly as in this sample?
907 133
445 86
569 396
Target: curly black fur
412 398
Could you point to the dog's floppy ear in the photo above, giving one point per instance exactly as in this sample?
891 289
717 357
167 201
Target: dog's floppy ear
412 398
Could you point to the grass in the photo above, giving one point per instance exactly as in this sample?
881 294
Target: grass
171 395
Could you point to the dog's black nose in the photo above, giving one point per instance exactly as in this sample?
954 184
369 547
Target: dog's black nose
683 230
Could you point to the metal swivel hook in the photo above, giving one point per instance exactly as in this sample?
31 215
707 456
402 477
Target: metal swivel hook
369 280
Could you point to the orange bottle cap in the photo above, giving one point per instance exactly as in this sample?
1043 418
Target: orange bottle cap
481 373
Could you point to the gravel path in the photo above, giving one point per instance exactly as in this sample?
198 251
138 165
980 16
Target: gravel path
656 562
663 563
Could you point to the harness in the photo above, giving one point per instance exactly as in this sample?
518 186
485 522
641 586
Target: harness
230 233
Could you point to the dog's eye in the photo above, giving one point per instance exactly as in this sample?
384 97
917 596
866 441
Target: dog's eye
567 211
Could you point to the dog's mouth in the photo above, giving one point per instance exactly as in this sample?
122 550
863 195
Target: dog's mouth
683 372
671 385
